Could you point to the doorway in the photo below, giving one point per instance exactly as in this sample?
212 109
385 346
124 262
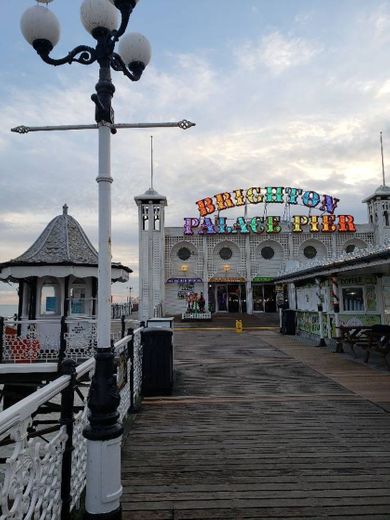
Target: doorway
264 298
228 298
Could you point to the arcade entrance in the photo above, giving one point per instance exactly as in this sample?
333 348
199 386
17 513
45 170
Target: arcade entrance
227 297
264 298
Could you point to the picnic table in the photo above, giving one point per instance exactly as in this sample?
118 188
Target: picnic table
375 338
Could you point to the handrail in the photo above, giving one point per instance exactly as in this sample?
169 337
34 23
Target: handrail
65 449
122 342
24 408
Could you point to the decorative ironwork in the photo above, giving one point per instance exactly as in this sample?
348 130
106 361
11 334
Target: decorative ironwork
134 73
32 480
185 124
82 54
137 368
123 379
29 346
21 129
79 457
80 340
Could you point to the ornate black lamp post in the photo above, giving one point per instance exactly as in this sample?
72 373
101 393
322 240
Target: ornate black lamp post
41 29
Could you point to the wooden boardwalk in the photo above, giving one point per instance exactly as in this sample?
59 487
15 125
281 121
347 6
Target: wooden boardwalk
261 426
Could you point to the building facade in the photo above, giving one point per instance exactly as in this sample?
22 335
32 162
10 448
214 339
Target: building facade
234 265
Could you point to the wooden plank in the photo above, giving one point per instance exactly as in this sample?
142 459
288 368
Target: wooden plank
254 432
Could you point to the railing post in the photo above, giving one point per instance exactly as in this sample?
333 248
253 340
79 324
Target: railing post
1 338
63 330
123 326
130 355
68 367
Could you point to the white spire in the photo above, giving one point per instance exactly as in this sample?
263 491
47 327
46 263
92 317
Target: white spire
151 163
383 163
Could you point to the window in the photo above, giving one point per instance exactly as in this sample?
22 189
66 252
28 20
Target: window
353 299
371 298
267 253
78 293
184 253
226 253
49 299
350 248
310 252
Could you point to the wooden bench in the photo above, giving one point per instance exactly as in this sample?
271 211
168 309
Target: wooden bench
371 339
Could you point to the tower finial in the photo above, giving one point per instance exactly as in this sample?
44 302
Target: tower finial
151 162
65 209
383 163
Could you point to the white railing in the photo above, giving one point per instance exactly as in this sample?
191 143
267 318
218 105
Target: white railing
30 341
32 469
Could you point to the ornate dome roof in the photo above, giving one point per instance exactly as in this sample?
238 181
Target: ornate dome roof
62 241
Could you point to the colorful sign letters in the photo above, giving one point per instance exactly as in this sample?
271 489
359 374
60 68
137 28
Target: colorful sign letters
327 222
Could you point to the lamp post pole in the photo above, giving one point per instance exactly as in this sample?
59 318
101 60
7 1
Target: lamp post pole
40 27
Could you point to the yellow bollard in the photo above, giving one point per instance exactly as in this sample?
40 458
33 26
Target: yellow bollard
238 325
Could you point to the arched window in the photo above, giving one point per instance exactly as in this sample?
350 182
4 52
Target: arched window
50 301
386 217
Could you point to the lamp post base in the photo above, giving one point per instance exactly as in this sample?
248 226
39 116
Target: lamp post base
104 438
112 515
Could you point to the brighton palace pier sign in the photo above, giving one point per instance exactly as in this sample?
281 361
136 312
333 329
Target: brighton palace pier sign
326 222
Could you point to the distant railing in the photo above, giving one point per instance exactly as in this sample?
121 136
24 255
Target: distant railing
51 340
121 309
43 457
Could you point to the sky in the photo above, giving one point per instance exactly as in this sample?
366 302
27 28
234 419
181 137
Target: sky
283 93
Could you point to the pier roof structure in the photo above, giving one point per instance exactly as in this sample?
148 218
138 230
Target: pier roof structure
63 248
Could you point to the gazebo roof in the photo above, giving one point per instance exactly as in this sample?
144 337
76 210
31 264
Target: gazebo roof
62 243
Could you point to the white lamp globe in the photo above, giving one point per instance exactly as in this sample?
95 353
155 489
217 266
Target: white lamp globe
39 23
134 47
99 14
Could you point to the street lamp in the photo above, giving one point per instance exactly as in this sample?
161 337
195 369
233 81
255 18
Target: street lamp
106 21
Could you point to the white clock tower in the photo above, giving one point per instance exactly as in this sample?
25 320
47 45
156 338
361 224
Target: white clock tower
151 213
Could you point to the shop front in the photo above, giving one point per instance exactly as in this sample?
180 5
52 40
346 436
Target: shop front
227 295
264 294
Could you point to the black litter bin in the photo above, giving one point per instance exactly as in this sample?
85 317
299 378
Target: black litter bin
288 322
157 362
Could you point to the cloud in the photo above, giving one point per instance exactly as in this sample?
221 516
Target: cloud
283 109
278 52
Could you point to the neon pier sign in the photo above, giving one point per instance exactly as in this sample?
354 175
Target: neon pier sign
326 222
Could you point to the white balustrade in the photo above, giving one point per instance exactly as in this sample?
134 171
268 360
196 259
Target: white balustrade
31 468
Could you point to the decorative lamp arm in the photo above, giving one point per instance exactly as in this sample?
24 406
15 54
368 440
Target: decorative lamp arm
133 71
81 54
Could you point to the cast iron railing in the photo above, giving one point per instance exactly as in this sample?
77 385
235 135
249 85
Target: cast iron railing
42 448
52 340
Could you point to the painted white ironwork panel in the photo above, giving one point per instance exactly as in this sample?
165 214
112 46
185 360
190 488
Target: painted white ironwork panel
79 456
32 478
